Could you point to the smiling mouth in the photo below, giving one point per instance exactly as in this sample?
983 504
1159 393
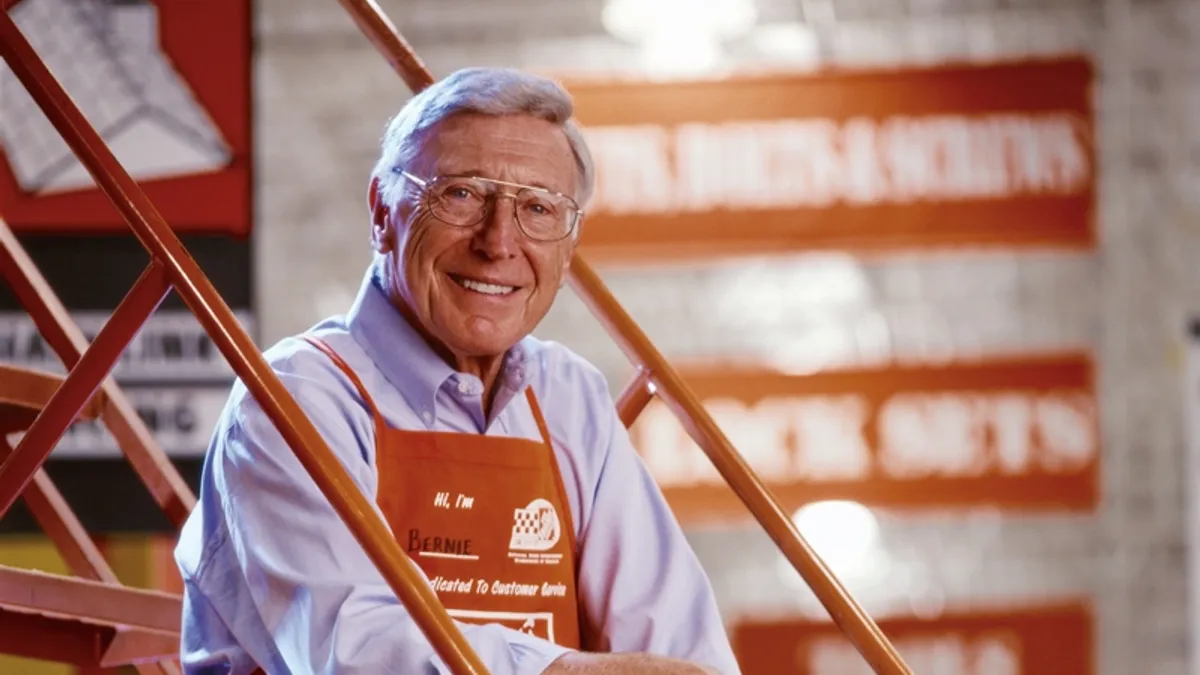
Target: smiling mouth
482 286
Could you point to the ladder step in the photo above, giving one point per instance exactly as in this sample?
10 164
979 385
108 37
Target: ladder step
82 622
25 391
75 641
94 602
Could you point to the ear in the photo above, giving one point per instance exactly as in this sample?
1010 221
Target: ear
382 232
566 268
568 255
574 244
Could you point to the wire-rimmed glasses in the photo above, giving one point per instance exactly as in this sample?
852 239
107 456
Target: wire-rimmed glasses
464 201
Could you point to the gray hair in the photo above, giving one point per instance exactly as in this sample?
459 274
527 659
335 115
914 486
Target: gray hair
484 91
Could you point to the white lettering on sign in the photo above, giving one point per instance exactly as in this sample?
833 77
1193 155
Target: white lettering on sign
940 655
514 588
950 435
443 585
813 438
497 587
181 419
171 347
815 163
825 438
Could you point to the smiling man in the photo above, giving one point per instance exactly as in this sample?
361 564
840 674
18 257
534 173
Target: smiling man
498 460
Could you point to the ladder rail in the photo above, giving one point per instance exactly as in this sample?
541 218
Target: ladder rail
81 383
118 414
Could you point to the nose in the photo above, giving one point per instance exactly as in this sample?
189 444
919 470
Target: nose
498 236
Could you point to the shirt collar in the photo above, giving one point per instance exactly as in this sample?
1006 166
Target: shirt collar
410 364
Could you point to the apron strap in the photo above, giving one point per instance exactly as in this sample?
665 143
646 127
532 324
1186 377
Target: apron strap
543 429
354 379
572 541
562 493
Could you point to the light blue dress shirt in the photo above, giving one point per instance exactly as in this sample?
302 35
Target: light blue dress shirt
273 577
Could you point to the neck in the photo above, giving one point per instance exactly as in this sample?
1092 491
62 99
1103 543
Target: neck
486 368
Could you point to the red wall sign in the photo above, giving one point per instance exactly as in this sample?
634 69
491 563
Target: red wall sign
969 155
1048 640
166 84
1014 433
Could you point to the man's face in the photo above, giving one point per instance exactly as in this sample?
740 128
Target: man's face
435 264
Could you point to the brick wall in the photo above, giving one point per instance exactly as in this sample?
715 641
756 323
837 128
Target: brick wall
324 96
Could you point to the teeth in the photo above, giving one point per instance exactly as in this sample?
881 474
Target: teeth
486 289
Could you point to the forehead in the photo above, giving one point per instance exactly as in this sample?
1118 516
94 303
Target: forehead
516 148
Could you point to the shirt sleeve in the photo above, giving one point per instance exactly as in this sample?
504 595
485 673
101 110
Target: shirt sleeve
642 586
322 603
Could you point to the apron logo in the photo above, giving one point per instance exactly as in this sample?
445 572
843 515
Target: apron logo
535 528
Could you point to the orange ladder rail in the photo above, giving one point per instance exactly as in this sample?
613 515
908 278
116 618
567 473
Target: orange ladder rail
117 413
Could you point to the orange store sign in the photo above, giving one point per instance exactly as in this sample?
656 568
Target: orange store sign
1013 433
1047 640
971 155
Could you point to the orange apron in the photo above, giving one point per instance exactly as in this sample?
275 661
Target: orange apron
485 517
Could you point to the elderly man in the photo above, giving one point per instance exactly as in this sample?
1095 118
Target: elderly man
498 460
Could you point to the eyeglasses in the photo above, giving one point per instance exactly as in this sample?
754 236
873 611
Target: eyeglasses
464 201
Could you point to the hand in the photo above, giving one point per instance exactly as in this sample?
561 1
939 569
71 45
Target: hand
580 663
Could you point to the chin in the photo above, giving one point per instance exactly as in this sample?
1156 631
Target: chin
475 346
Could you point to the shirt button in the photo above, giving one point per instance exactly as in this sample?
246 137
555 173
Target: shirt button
464 387
428 417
